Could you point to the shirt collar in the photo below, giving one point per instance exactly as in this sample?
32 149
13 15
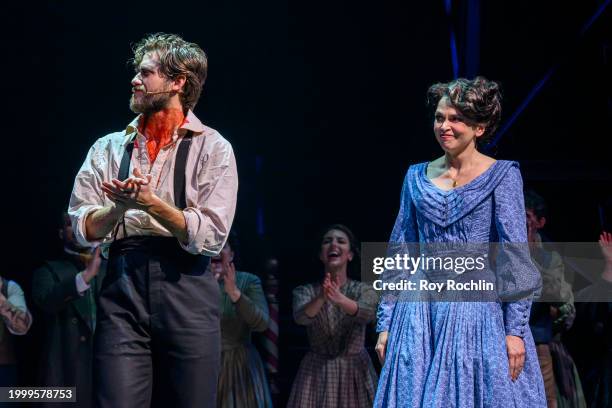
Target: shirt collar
191 123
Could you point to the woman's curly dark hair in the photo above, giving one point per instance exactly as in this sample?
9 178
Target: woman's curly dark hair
478 100
353 242
354 245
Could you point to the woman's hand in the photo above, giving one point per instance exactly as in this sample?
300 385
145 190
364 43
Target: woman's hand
381 346
229 278
516 355
93 266
323 292
331 292
331 289
605 243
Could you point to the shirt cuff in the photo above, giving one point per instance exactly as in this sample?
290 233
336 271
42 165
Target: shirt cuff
197 244
80 227
192 222
517 318
81 285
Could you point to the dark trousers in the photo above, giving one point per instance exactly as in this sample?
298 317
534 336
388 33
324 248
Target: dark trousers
158 331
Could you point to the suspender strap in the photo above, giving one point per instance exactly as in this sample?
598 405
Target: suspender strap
179 171
124 168
180 165
124 172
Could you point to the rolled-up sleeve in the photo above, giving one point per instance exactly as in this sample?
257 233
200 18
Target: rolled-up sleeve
210 218
17 317
86 194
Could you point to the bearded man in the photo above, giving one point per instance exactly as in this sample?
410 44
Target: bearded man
160 197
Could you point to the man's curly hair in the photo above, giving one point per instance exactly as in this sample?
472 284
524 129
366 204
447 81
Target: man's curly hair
177 57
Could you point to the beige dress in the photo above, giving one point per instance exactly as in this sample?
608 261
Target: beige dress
242 380
337 371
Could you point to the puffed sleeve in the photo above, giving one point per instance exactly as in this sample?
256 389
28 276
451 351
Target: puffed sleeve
252 306
366 304
404 232
302 295
518 280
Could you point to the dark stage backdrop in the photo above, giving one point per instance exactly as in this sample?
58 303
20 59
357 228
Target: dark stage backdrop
324 103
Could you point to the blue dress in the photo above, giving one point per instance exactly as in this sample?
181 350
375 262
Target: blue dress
453 354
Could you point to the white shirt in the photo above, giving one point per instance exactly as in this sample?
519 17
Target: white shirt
211 185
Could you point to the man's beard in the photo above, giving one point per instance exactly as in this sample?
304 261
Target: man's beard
149 103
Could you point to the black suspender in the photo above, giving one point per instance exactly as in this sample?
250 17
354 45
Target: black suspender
180 165
124 168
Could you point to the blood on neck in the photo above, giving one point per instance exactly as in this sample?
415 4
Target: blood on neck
158 128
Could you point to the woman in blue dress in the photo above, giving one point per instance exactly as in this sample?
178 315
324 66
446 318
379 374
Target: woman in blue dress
462 353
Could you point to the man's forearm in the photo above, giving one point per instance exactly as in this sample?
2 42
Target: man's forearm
170 218
101 222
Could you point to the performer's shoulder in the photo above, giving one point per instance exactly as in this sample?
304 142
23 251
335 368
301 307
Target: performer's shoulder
509 170
214 139
507 163
248 277
418 166
414 169
111 139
